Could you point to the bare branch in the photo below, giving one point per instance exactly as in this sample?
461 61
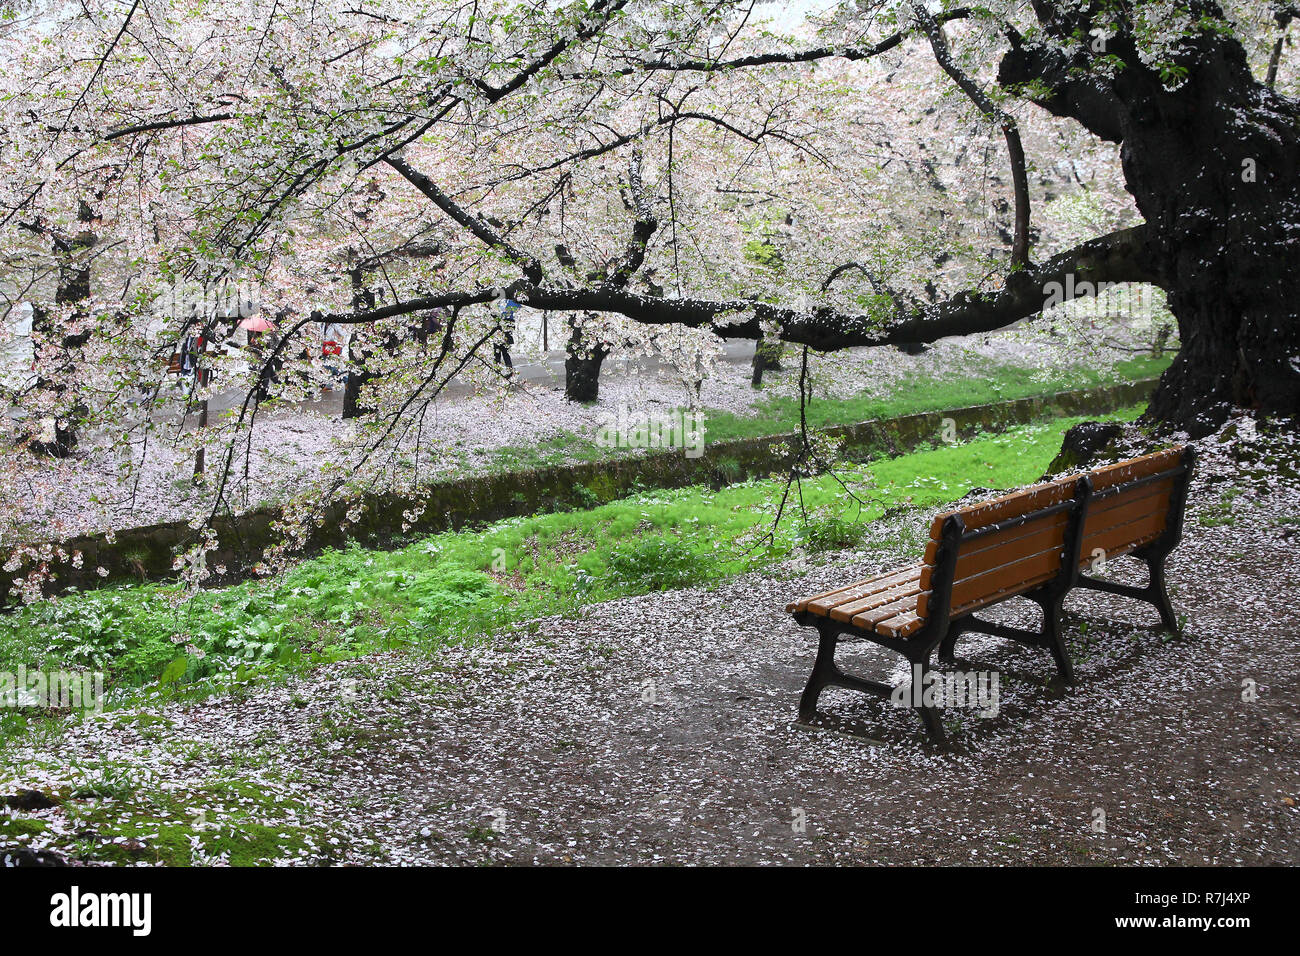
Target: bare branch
484 232
1010 131
167 124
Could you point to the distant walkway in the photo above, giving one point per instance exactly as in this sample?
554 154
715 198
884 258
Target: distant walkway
544 371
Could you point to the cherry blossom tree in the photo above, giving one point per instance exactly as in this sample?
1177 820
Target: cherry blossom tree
658 172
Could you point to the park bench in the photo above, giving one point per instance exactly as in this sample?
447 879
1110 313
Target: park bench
1034 543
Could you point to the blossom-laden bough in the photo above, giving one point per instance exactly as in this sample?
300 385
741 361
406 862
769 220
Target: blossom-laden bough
660 172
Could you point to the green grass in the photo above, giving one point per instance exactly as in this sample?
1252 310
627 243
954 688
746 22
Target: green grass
1221 512
458 586
780 413
558 449
123 816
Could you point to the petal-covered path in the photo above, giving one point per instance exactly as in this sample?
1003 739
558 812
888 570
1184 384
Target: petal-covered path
659 729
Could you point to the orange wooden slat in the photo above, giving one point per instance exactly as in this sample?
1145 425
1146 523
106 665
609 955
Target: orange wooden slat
904 625
1152 506
1123 494
989 512
984 600
1121 539
823 606
1036 568
1005 547
847 611
1041 534
802 603
869 619
1110 475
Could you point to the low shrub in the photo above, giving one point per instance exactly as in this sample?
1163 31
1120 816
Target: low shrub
657 563
824 530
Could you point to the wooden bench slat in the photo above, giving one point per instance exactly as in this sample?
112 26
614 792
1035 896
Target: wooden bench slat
858 588
1119 519
1121 539
1013 544
803 602
1123 496
1109 475
1049 542
986 600
846 612
997 538
985 513
882 582
1012 578
869 619
1155 507
1042 534
904 625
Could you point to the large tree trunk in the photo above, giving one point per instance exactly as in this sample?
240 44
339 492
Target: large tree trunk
73 289
582 362
1214 166
362 298
352 407
767 358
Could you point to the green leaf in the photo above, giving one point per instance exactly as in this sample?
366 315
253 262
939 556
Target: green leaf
174 671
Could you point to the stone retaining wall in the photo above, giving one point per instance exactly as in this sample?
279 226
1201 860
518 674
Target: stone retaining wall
146 553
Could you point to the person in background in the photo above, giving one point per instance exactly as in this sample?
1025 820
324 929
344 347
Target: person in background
333 337
431 325
501 350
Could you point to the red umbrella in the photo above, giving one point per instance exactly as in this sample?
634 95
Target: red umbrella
255 323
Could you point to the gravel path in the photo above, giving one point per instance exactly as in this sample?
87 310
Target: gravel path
658 729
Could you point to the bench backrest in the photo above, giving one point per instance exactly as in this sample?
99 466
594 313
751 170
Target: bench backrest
1018 542
1007 546
1132 504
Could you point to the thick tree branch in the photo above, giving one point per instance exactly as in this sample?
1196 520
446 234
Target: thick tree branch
597 18
1284 16
167 124
643 229
795 56
1062 86
1114 258
531 268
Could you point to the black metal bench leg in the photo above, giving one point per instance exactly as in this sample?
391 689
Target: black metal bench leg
948 646
930 715
823 673
1160 592
1052 636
